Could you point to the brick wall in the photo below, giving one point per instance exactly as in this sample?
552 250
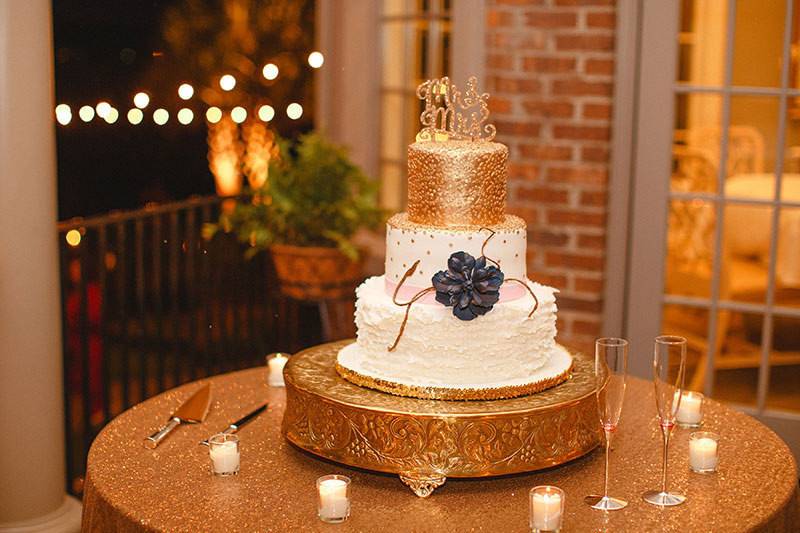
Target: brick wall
550 66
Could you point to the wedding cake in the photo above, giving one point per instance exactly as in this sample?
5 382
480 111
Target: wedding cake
455 316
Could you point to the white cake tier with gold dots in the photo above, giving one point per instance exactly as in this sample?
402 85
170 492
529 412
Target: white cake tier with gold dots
407 242
503 349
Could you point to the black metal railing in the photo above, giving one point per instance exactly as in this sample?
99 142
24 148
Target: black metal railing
149 304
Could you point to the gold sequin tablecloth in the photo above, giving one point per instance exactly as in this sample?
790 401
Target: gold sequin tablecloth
130 488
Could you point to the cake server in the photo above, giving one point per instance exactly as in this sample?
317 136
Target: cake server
192 411
233 428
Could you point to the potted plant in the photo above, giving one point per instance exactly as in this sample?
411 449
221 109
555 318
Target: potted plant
305 214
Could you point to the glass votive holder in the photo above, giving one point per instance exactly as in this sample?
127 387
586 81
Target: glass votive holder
703 452
690 411
275 363
223 448
333 498
546 508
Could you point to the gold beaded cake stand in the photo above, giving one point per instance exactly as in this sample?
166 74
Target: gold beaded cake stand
427 441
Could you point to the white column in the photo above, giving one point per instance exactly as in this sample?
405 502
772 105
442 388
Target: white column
32 481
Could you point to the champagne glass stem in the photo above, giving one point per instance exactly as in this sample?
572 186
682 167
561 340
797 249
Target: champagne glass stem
608 446
665 430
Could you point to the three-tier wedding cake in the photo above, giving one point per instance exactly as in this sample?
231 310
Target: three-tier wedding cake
455 316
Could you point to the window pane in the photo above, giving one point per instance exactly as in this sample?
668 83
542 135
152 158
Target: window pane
394 55
736 357
752 144
392 195
758 42
691 323
422 34
695 152
398 7
787 265
783 393
701 42
690 250
745 252
790 184
393 139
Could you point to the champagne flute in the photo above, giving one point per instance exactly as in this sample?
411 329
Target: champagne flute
669 356
610 371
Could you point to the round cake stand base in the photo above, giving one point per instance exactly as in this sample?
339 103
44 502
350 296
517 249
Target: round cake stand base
427 441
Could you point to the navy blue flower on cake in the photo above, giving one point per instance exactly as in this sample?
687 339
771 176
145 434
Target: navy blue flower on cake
468 285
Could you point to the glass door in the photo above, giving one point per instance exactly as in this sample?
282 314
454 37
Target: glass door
715 249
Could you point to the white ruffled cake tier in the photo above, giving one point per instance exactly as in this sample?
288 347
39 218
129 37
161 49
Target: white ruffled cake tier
503 353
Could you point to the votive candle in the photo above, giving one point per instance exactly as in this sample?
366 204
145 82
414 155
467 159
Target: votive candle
703 452
333 493
276 363
223 449
690 411
546 508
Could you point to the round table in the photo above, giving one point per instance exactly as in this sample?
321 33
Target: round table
130 488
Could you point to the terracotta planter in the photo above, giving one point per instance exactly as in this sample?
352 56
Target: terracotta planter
315 272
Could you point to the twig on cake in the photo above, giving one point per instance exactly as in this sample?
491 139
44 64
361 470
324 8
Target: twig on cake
535 299
407 305
491 234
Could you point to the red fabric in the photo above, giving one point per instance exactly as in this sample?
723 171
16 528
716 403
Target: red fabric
94 306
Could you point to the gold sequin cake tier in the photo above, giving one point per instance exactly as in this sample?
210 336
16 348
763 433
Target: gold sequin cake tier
457 183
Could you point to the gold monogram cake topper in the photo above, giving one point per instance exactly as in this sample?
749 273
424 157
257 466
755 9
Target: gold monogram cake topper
449 114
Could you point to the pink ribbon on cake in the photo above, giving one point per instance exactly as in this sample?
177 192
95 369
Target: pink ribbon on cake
508 292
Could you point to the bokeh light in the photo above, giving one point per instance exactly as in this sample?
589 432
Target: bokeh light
135 116
266 112
316 59
238 114
185 91
294 111
141 100
185 116
73 237
102 109
213 114
86 113
63 114
270 71
160 116
227 82
111 115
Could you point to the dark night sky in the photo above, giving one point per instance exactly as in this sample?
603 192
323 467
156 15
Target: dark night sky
109 50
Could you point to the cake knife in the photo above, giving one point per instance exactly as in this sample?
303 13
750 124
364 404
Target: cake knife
192 411
233 428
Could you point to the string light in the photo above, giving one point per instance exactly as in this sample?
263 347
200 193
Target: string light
270 71
185 91
111 115
266 113
86 113
213 114
160 116
102 109
294 111
316 59
227 82
185 116
238 114
63 114
141 100
73 237
135 116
